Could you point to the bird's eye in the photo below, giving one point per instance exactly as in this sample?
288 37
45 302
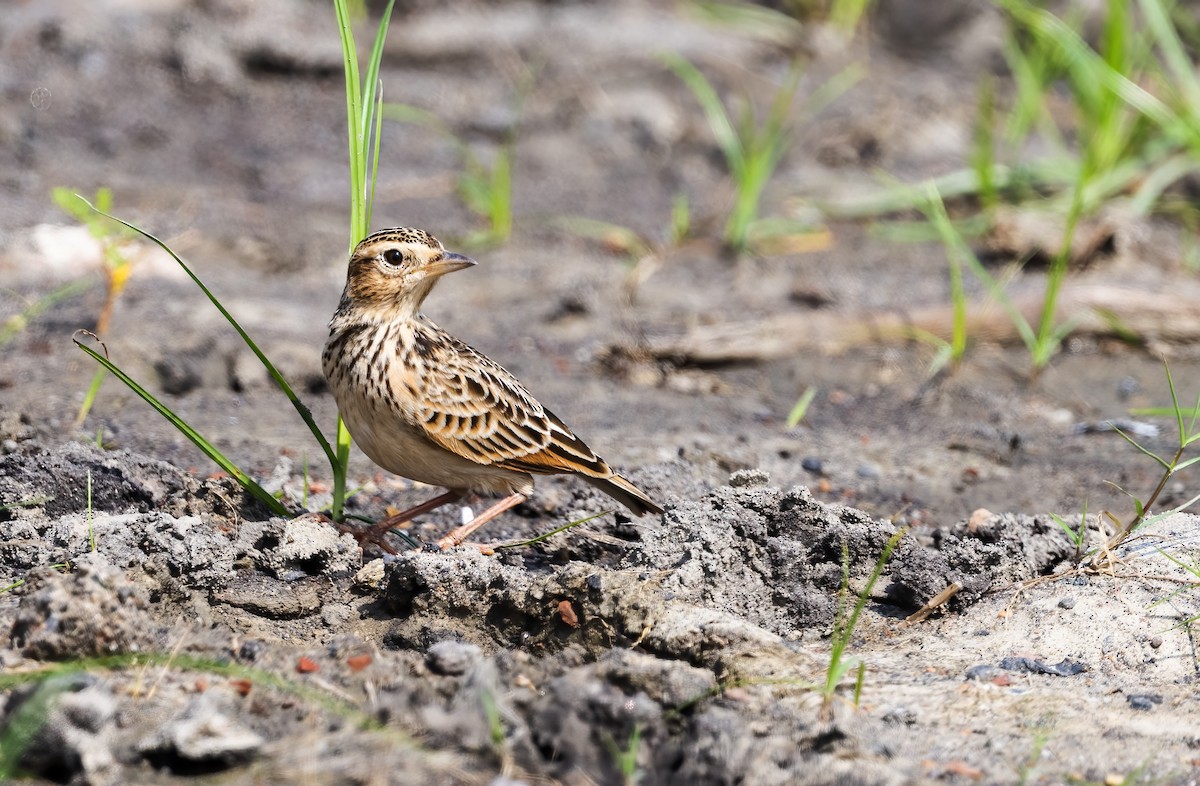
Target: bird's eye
393 257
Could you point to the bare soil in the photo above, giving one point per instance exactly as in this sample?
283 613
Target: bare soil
693 642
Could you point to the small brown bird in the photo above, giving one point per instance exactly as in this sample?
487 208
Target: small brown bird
424 405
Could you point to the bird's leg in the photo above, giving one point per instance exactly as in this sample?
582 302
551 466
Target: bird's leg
376 532
425 507
457 535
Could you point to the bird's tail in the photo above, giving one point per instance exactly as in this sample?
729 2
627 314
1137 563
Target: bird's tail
626 493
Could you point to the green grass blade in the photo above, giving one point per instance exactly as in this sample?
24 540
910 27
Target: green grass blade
372 116
27 719
337 506
25 503
1049 333
378 116
547 535
407 113
182 661
681 219
800 409
1045 173
1175 403
829 92
353 111
1159 412
89 398
844 625
196 438
935 210
304 412
714 111
1165 514
781 107
474 186
1181 66
1161 177
1065 527
752 20
983 158
362 114
500 212
1188 463
1091 69
373 63
614 236
1162 462
845 14
1031 75
11 327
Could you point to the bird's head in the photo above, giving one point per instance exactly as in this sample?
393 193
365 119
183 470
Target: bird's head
393 270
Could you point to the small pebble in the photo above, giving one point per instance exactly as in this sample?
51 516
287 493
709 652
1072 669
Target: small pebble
370 576
205 731
1127 387
251 650
1156 641
867 470
452 658
1143 701
745 478
984 672
979 517
334 615
897 716
813 466
1067 603
1064 668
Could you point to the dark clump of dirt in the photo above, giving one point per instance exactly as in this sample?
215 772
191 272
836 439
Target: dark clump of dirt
998 551
772 557
93 610
59 480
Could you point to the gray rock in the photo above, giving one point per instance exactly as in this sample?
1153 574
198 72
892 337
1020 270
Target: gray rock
90 611
452 658
747 478
269 597
299 547
204 731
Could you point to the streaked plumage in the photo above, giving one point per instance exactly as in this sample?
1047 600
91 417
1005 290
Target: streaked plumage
424 405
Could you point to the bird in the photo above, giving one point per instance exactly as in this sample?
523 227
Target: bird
424 405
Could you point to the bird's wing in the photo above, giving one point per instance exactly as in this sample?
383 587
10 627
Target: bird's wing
472 406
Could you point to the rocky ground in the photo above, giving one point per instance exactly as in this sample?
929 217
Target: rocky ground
160 626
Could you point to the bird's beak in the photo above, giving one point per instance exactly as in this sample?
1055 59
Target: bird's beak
448 264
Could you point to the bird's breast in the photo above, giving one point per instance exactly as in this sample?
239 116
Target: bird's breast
378 395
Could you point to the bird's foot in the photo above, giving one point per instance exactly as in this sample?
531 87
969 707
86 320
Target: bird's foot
376 534
459 535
